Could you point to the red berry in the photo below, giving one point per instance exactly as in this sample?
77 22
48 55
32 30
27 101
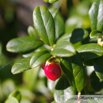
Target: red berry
52 71
43 65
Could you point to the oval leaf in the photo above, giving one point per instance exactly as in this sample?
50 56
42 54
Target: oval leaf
42 48
16 94
95 82
89 51
21 65
96 33
78 72
63 49
44 24
67 69
78 35
23 44
98 66
38 58
64 37
63 90
32 32
96 15
11 100
53 11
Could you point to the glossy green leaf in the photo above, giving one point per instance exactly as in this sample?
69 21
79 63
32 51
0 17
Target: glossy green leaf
44 25
42 48
16 94
78 72
67 69
78 35
90 51
23 44
59 26
53 11
21 65
64 37
50 1
63 90
96 33
32 32
38 58
98 66
95 82
11 100
96 15
63 49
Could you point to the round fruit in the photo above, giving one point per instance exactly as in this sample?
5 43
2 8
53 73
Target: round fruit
52 71
43 65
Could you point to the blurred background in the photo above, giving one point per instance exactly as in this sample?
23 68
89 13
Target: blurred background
15 17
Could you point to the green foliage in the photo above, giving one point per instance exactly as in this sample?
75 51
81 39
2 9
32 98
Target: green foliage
22 44
63 49
38 58
64 41
44 24
96 15
14 97
21 65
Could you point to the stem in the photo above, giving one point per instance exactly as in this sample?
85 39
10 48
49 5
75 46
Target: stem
79 93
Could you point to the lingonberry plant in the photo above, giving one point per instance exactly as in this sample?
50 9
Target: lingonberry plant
71 51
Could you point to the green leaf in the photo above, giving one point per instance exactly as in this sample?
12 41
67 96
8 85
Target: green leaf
44 25
63 90
64 37
38 58
78 72
96 15
42 48
95 82
59 26
50 1
16 94
98 66
32 32
11 100
23 44
63 49
67 69
78 35
21 65
96 33
90 51
53 11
